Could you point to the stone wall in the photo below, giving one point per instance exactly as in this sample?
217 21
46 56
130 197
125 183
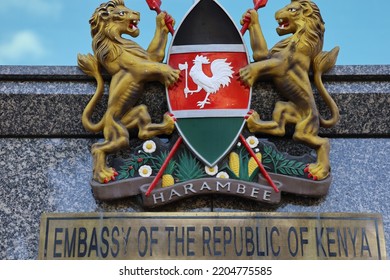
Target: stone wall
45 161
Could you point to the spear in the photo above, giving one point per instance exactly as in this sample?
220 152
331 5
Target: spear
258 4
259 164
155 5
164 166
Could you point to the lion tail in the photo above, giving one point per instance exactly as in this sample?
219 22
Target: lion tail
90 66
323 62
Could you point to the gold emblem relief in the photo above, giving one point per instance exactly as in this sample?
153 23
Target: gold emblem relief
288 63
130 67
208 102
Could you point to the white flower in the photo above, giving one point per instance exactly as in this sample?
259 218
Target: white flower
145 171
239 144
223 175
257 150
149 147
211 170
252 141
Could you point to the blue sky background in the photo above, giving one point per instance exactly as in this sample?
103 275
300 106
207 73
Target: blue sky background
52 32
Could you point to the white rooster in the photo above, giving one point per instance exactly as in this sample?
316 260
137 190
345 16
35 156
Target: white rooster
221 76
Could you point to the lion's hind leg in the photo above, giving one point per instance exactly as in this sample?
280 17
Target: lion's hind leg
139 117
116 137
307 132
101 172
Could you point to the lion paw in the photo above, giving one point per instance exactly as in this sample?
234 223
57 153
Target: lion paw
105 175
253 121
169 123
247 75
317 171
171 77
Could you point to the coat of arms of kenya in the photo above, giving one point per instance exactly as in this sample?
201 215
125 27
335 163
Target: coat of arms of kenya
208 80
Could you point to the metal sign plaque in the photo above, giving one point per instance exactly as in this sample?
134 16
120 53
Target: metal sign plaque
195 236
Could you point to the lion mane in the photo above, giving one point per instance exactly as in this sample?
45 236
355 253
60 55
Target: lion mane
311 29
105 46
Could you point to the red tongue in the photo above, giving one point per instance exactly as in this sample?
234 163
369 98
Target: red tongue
283 24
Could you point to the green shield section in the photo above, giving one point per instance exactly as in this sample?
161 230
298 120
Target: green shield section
210 138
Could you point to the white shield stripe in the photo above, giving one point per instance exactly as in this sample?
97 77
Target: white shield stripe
208 48
185 114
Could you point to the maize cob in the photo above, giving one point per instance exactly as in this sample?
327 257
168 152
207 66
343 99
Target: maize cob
252 164
234 163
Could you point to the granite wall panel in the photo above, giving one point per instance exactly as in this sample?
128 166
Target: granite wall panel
45 161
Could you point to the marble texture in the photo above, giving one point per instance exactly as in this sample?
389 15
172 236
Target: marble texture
45 161
52 175
33 100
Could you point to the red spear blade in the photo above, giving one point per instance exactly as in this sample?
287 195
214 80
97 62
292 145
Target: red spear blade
154 5
259 4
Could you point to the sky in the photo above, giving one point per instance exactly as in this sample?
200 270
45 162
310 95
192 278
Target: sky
53 32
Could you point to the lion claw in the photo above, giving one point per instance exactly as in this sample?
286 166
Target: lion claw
313 173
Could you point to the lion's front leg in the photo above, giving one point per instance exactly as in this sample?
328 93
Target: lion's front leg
139 117
254 71
168 75
154 71
284 113
158 44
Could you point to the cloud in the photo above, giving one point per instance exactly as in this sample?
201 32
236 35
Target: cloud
35 7
23 47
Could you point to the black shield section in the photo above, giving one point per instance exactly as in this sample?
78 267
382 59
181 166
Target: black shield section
212 25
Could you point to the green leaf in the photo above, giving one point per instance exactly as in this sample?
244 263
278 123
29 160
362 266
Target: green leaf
291 163
284 163
231 173
188 168
299 165
254 175
123 175
267 149
279 156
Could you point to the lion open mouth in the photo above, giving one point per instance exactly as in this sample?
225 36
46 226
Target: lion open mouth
283 24
134 24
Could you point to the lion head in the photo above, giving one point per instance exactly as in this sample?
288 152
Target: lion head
303 19
108 23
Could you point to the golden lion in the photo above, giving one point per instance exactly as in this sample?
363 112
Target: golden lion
288 63
130 67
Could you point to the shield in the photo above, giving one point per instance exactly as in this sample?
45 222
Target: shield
209 103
